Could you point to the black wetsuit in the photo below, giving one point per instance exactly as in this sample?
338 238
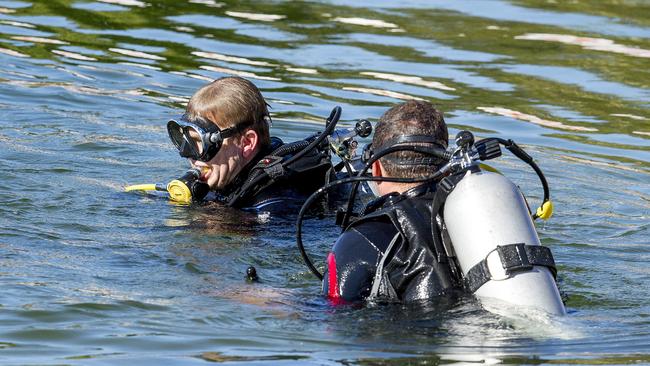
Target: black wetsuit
263 185
389 254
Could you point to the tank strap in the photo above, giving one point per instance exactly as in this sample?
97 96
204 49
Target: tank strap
381 283
514 258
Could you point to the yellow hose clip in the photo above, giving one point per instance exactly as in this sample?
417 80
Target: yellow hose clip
545 211
179 192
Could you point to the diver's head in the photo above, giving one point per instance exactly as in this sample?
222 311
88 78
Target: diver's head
411 118
225 125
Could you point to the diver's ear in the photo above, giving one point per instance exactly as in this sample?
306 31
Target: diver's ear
248 142
377 169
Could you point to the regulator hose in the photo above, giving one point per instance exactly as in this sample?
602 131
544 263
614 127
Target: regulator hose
290 148
357 180
302 148
330 124
323 190
545 210
437 152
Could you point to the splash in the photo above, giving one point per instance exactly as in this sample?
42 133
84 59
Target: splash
534 322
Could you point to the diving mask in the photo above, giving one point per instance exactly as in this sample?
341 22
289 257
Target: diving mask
198 139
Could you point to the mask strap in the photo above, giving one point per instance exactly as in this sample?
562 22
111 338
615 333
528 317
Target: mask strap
401 139
369 150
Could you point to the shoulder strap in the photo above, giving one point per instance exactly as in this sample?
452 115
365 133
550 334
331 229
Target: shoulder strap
268 170
381 283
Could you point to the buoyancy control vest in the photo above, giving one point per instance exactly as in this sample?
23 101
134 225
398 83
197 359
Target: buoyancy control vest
270 178
412 268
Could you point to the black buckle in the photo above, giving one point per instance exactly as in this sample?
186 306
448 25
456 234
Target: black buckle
514 258
272 166
447 185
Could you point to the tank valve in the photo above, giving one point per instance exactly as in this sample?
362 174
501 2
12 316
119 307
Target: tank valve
464 139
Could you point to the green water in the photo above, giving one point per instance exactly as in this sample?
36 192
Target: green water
92 275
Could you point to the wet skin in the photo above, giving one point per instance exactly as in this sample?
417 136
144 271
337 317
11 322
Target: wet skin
223 168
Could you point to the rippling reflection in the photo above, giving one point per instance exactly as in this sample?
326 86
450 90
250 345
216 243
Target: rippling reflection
91 273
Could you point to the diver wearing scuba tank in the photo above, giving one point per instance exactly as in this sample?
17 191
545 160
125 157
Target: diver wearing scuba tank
225 135
445 223
389 254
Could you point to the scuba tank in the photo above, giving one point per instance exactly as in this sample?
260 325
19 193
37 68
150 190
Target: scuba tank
491 229
485 214
185 189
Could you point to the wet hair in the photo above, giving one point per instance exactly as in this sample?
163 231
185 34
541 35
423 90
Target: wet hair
409 118
232 101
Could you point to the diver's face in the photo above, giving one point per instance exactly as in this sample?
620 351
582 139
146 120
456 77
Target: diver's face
224 166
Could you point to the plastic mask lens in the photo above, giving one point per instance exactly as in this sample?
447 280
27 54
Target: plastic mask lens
194 138
186 139
175 134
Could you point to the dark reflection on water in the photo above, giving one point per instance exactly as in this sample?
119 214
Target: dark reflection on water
91 274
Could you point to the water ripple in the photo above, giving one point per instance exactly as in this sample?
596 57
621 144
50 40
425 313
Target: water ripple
91 273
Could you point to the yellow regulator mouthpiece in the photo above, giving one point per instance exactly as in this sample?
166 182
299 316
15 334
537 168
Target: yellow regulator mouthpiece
140 187
179 191
545 211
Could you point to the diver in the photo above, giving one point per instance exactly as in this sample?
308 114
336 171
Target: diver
444 224
388 253
224 133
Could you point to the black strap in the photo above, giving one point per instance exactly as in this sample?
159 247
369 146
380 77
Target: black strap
418 160
445 187
401 139
514 258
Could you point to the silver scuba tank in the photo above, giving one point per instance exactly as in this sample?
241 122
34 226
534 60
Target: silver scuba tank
484 211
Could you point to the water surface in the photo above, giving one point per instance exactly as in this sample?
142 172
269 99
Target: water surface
93 275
